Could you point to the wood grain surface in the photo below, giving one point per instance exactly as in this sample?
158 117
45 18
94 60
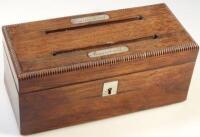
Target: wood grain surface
52 82
80 103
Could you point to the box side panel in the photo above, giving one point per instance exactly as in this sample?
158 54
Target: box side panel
11 57
69 105
11 89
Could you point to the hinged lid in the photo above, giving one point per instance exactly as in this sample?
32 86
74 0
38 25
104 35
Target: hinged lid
69 50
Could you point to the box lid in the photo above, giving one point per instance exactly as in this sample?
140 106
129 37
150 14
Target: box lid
58 52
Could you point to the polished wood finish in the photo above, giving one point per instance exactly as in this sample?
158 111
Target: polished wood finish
52 82
80 103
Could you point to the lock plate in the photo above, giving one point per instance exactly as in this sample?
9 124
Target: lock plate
110 88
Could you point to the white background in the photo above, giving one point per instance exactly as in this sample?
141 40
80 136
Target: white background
179 120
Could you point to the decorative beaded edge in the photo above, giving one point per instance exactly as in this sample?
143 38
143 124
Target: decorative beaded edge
109 61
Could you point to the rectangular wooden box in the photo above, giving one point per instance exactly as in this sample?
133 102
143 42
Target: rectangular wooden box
70 70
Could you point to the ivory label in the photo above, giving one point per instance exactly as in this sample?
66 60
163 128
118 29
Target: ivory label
89 19
108 51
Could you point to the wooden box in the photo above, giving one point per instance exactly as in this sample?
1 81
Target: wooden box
70 70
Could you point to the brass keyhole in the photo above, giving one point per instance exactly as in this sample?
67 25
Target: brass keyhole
109 91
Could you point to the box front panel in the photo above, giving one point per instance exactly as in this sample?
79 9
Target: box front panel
83 102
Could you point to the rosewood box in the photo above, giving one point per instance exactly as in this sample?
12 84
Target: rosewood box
71 70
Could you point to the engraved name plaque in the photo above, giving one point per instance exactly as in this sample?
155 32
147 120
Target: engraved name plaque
108 51
88 19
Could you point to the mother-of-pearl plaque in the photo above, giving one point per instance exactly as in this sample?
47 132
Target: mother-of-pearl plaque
108 51
88 19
